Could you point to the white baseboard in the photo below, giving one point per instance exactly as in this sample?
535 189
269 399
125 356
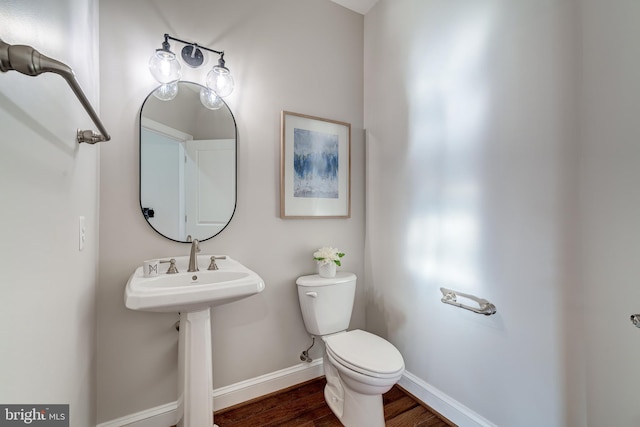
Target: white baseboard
164 415
224 397
448 407
233 394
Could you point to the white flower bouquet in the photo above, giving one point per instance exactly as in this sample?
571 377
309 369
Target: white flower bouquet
327 255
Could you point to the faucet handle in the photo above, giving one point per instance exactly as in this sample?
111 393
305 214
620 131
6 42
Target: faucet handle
172 266
213 265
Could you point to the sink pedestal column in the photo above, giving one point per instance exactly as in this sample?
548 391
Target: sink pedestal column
195 375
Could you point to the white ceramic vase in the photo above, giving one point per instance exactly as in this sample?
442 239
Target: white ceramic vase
327 270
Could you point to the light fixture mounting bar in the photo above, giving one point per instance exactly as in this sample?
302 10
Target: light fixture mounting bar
167 36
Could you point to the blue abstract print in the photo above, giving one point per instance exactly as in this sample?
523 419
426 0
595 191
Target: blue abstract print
315 163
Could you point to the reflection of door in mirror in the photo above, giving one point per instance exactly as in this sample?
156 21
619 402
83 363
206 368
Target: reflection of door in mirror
209 185
162 177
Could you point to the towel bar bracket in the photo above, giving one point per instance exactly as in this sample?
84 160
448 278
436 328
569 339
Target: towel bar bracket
89 137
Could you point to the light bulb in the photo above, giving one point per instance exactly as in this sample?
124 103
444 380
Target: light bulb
210 100
166 92
164 66
219 80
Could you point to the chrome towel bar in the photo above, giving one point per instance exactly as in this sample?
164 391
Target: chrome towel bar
451 297
29 61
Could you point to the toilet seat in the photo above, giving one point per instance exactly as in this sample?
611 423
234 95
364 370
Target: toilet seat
365 353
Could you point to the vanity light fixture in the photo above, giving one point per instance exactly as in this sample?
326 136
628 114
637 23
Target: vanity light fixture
166 69
164 65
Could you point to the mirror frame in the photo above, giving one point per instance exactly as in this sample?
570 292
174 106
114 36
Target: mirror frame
235 204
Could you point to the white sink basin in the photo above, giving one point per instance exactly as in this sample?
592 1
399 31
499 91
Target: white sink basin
188 292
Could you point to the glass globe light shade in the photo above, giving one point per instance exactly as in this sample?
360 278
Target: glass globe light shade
164 66
220 81
167 91
210 100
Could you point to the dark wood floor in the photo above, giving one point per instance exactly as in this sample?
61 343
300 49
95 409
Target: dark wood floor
304 406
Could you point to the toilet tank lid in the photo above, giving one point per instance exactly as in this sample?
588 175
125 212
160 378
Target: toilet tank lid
317 280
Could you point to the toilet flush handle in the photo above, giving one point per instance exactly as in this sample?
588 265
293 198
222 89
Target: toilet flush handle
312 294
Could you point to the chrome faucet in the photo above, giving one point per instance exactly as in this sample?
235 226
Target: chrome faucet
193 256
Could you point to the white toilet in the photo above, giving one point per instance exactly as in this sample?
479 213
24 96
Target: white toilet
358 365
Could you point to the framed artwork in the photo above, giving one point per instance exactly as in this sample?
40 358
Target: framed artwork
315 167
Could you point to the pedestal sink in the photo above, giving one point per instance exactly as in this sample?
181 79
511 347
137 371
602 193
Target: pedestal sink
193 295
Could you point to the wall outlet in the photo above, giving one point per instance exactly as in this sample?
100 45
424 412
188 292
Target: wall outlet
82 233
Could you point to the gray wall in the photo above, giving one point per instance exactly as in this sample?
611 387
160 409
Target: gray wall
48 287
290 55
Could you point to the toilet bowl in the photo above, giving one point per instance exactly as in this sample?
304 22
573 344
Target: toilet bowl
359 366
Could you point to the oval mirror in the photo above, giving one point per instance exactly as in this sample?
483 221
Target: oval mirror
187 164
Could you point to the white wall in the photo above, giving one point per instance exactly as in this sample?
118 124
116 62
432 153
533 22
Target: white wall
470 117
513 128
282 54
47 292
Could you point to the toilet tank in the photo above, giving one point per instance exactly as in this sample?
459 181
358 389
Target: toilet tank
326 303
